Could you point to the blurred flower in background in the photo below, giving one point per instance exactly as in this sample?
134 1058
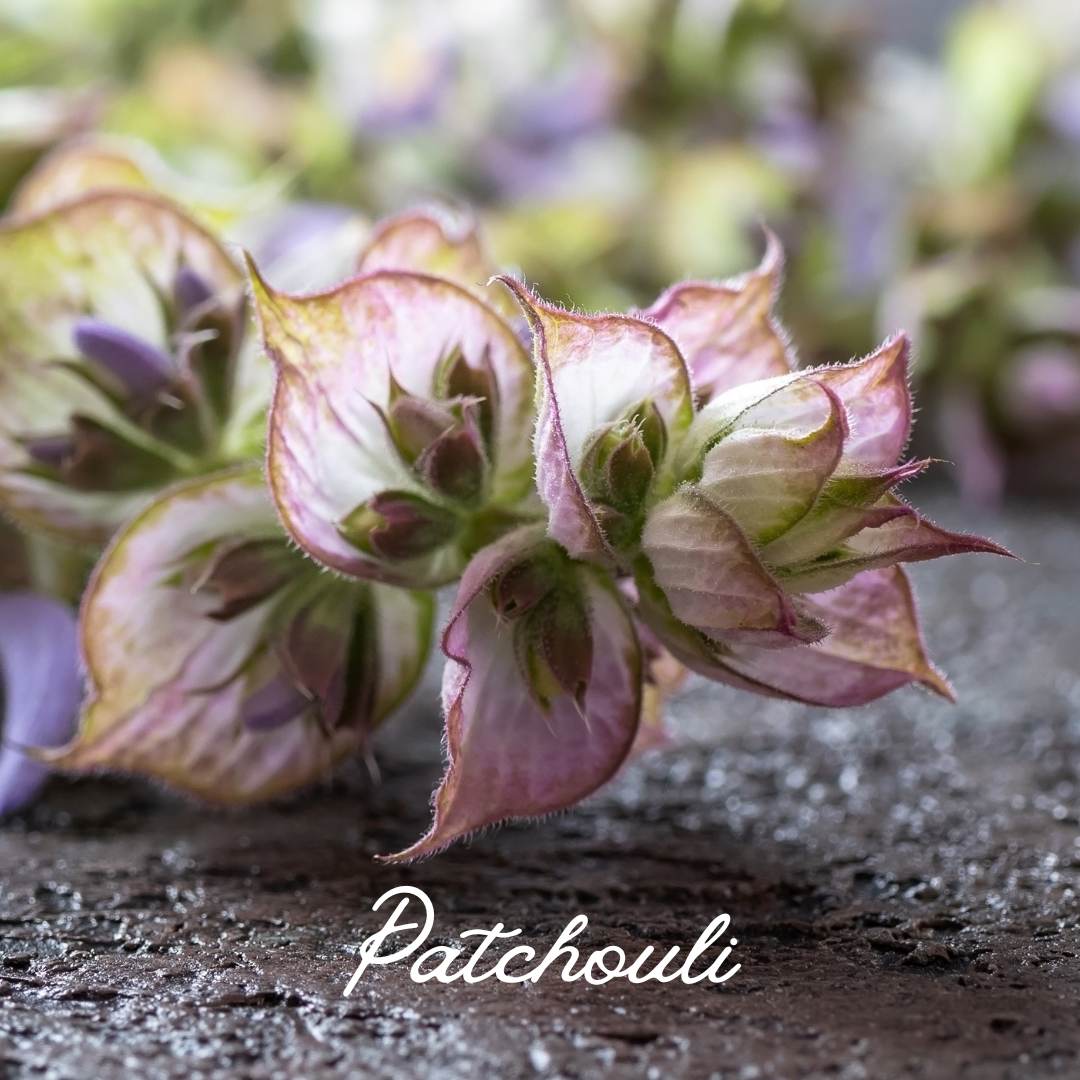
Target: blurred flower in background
921 161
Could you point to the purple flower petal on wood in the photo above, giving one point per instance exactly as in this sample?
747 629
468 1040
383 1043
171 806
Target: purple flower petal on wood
507 759
40 666
728 332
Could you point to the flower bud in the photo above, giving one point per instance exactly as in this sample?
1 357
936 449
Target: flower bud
539 713
415 423
330 650
96 458
555 648
398 525
619 465
52 451
141 369
190 291
522 587
608 386
209 346
460 380
454 466
242 573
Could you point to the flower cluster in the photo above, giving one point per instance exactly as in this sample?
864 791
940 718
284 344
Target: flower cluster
614 495
694 493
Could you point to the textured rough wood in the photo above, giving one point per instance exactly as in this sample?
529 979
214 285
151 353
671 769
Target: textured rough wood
902 880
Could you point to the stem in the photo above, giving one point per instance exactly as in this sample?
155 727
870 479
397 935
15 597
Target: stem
178 459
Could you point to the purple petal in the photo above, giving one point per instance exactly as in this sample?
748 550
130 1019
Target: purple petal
878 402
278 702
875 646
189 290
39 657
51 450
140 366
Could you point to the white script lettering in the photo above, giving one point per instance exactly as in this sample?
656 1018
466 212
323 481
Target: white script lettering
601 966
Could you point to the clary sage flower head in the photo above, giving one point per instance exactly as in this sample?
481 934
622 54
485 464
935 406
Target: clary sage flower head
647 491
698 501
542 688
399 438
763 539
122 328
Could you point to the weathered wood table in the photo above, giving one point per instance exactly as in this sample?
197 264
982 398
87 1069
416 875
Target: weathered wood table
902 880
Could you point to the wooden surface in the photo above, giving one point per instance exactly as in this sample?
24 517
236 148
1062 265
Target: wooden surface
902 880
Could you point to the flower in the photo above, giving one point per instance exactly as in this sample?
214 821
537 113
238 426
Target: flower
400 425
614 402
784 505
750 533
122 360
766 520
542 688
226 664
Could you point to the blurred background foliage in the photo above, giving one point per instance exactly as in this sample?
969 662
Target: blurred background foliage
920 160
